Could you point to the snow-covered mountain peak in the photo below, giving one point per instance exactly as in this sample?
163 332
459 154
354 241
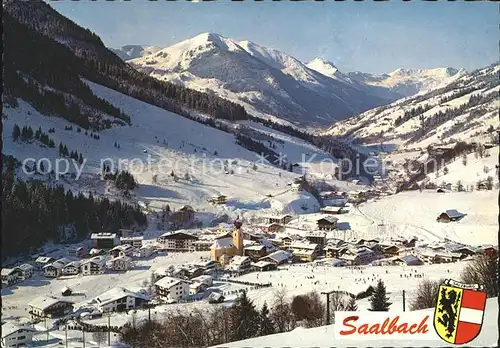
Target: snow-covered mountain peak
215 39
323 66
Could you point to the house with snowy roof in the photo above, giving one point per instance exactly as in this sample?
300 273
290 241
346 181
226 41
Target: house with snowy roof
120 299
305 251
42 261
14 335
71 268
358 256
172 289
122 250
278 257
409 260
27 271
120 263
11 276
327 223
48 306
450 215
93 266
263 266
240 264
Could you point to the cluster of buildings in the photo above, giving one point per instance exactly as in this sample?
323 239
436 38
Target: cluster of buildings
109 251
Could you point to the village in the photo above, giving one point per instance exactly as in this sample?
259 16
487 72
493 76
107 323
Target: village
219 260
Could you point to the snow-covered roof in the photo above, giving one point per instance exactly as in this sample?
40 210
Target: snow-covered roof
55 265
331 219
280 217
410 259
257 247
302 252
25 267
119 293
332 208
262 264
75 264
43 259
98 260
453 213
103 235
303 245
123 247
238 260
223 243
131 238
9 328
202 278
168 282
45 302
7 271
121 258
279 256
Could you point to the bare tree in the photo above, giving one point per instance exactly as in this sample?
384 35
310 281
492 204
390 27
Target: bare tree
308 308
426 296
483 271
281 312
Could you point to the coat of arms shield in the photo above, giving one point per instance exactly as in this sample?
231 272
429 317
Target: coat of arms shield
459 311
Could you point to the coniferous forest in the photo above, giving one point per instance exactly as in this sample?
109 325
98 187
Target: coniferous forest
34 213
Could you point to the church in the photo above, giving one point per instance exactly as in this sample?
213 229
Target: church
227 246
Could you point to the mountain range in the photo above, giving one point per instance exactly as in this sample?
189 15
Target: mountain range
465 109
272 84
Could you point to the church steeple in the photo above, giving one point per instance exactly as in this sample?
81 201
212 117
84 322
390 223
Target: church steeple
238 237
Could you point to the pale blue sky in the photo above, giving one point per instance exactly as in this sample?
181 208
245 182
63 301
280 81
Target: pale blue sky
366 36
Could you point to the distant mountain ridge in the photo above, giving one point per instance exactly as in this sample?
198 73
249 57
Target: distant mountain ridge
465 109
408 82
129 52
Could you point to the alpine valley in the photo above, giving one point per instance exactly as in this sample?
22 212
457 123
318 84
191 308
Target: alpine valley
208 193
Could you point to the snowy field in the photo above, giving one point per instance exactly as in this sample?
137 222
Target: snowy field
414 213
155 145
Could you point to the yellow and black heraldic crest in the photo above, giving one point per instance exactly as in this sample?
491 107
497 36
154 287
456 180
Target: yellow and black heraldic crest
459 312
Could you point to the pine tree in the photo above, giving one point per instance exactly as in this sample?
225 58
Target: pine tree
80 159
378 300
16 132
351 305
61 149
266 325
243 318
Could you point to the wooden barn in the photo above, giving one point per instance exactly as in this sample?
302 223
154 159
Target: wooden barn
449 216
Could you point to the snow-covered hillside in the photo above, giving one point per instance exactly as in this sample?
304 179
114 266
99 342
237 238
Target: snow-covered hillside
465 109
164 142
134 51
264 80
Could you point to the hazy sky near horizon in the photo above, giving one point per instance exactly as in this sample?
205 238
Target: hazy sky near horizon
367 36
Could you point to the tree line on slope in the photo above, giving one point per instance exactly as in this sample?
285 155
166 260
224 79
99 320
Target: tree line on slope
34 213
33 72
